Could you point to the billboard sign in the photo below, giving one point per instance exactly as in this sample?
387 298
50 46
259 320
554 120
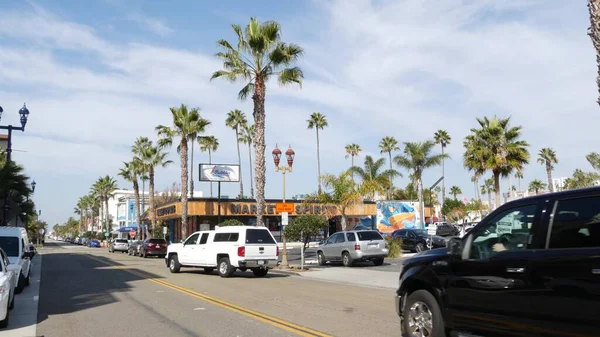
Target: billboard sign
393 215
220 172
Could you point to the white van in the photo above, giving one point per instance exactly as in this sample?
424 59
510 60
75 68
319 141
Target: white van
15 242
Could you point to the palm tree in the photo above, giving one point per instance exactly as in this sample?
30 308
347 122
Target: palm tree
317 121
475 181
342 192
536 185
373 180
104 189
581 179
79 210
443 138
594 33
519 176
210 144
15 187
488 188
455 191
259 55
416 159
352 150
130 173
247 137
594 159
235 120
185 122
388 145
496 147
152 157
547 157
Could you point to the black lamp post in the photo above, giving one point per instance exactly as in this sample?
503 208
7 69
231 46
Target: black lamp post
24 113
283 169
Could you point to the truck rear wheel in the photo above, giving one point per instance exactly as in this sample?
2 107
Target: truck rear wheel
225 268
174 265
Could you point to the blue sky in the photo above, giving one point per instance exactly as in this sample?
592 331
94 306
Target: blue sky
97 74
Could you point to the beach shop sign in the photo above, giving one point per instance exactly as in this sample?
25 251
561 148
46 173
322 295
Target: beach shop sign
219 172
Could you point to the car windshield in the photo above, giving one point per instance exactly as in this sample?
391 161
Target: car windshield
420 232
121 241
10 244
159 241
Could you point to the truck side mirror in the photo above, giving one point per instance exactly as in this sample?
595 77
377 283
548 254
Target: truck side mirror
454 246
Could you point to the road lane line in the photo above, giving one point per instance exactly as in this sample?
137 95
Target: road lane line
273 321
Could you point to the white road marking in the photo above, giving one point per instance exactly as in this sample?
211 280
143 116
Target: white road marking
196 309
160 291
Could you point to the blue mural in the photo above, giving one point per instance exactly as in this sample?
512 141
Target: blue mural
393 215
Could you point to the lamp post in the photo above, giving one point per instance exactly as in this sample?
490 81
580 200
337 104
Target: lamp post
39 229
24 112
283 169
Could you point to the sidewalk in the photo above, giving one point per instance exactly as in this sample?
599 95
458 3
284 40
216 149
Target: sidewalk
23 318
354 276
296 245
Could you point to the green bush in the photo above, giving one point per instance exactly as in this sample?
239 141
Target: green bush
231 222
394 246
308 225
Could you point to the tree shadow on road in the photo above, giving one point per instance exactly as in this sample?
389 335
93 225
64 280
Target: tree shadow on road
72 282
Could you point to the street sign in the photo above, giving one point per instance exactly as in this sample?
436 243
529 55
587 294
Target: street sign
132 233
107 234
281 207
41 231
165 230
284 218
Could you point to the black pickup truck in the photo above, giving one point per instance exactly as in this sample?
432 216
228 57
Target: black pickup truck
530 268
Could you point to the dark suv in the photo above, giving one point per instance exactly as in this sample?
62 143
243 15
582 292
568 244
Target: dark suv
530 268
153 247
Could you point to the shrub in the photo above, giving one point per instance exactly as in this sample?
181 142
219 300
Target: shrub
308 225
394 246
231 222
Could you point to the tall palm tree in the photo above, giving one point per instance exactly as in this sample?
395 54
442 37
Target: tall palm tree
15 187
374 180
130 173
519 176
388 145
210 144
475 181
352 150
152 157
247 137
594 33
259 55
79 210
536 185
185 122
104 188
594 159
443 138
495 146
317 121
236 119
547 156
416 159
488 188
455 191
342 192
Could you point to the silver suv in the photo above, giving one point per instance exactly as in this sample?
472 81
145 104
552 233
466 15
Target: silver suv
119 245
353 246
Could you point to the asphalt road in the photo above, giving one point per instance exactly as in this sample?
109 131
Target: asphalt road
87 292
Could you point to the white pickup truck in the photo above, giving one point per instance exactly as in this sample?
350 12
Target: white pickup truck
227 249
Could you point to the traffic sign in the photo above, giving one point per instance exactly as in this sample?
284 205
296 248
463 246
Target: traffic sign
284 218
281 207
165 230
107 234
132 233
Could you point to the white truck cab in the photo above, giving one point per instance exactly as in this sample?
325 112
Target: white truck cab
15 243
227 249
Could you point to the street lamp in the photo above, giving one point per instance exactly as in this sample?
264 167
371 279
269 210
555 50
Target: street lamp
24 113
283 169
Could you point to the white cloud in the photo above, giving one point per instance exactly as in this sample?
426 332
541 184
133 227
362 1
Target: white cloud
402 68
154 25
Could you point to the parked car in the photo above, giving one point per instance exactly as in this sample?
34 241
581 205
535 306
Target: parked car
417 240
227 249
15 243
153 247
134 247
8 280
446 229
530 268
353 246
119 245
94 243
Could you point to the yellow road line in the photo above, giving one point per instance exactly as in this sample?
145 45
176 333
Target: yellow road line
273 321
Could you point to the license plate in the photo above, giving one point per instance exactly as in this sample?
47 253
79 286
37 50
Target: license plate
261 262
373 246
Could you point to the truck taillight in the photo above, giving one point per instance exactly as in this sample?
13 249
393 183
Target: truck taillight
241 251
357 247
277 250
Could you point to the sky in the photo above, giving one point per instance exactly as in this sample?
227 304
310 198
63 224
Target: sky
98 74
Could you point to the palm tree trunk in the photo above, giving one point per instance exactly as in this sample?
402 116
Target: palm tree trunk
136 193
489 195
343 218
184 186
250 165
421 205
210 162
549 173
318 162
237 140
191 173
259 147
497 187
106 210
444 178
391 179
151 192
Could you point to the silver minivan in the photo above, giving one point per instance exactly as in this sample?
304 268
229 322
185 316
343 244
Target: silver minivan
353 246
